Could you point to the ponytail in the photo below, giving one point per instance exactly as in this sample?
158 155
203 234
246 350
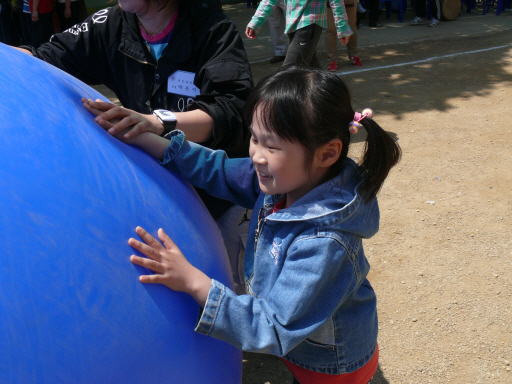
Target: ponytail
381 153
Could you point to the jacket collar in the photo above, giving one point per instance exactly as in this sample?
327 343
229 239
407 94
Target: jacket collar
337 202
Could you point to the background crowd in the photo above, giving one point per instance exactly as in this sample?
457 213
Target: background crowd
33 22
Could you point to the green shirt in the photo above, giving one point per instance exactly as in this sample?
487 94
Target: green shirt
301 13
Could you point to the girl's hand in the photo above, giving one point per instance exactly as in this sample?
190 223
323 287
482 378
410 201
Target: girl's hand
129 122
250 33
170 266
344 40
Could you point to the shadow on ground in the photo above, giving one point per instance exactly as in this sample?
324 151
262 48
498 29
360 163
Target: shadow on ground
267 369
434 84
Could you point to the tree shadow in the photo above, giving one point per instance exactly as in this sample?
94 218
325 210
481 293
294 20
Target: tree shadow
439 84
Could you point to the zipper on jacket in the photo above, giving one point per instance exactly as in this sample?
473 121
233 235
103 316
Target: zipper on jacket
137 60
261 222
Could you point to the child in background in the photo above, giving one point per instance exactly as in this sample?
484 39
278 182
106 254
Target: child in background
305 20
308 299
331 40
41 29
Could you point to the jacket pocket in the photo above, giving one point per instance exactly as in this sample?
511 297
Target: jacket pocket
316 356
320 345
323 336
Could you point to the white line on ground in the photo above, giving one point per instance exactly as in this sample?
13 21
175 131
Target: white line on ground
384 44
423 61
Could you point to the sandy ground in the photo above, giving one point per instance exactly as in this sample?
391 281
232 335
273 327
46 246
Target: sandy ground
441 263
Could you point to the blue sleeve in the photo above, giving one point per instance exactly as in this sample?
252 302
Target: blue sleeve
317 277
229 179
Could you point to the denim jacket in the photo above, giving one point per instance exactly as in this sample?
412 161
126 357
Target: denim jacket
308 297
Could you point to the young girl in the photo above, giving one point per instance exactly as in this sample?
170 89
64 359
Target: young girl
308 299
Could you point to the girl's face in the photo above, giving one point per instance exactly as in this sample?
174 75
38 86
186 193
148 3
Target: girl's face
280 165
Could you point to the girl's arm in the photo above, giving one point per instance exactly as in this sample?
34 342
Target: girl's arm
228 179
310 289
317 277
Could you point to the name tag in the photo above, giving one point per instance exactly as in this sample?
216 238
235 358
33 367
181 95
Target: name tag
182 83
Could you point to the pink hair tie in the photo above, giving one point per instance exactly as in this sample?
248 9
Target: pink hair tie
355 124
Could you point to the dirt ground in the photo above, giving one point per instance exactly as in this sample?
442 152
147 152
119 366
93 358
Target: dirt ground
441 263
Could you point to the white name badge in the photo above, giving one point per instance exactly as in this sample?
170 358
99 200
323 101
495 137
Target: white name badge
182 83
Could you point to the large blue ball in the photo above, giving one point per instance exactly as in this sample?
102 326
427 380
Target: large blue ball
71 307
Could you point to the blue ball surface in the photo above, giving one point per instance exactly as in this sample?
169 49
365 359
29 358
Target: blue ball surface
71 307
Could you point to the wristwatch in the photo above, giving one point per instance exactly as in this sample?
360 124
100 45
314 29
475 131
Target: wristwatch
167 118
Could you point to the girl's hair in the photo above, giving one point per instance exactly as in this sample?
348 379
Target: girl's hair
312 107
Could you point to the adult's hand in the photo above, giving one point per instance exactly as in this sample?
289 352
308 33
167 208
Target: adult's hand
96 112
118 119
23 50
35 15
344 40
250 33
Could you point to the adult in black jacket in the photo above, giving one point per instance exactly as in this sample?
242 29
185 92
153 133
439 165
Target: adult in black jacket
108 48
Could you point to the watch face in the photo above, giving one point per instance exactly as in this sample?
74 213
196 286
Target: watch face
165 115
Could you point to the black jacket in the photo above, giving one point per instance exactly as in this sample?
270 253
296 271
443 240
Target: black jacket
107 48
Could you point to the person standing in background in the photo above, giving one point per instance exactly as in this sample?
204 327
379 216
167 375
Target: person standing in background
277 32
5 21
69 13
42 22
373 13
25 21
305 20
421 13
331 39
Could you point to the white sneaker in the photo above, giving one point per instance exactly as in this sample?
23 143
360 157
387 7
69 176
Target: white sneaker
434 23
418 21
